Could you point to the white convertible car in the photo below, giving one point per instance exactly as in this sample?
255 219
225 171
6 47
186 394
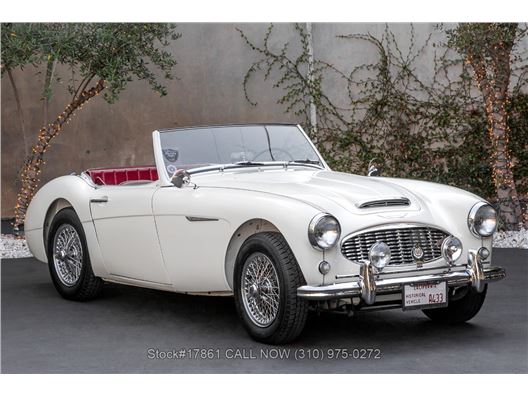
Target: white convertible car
254 211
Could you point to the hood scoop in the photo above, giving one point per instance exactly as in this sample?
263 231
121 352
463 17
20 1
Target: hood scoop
382 203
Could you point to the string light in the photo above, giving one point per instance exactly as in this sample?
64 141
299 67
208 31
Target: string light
32 166
496 101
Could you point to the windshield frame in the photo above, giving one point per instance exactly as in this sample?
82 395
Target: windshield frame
164 177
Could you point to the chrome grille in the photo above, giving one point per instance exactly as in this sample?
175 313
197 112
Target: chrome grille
401 242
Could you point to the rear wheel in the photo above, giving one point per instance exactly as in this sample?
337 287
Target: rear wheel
68 258
266 280
464 304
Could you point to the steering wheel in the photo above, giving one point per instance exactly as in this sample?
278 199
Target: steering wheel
273 149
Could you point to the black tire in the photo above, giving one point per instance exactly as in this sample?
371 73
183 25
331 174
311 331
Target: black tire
292 310
461 308
87 286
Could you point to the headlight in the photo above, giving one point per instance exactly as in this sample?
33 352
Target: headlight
380 255
451 249
482 220
324 231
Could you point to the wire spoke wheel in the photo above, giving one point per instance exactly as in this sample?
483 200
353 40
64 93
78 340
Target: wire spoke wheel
260 289
67 255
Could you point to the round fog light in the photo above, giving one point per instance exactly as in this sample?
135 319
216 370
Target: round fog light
483 253
379 255
324 267
451 249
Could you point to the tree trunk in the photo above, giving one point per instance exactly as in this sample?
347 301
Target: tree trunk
495 93
32 168
509 203
50 71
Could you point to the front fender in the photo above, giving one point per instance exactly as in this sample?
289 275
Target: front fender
69 191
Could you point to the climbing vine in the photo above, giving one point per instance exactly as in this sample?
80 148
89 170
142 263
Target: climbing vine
430 127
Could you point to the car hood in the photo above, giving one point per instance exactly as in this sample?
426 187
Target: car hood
318 188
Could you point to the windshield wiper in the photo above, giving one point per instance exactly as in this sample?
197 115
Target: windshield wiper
305 161
249 163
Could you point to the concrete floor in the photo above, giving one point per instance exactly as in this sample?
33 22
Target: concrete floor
42 333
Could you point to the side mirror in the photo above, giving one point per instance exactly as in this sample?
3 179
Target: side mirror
372 168
180 178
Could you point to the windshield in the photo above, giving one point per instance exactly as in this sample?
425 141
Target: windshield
199 147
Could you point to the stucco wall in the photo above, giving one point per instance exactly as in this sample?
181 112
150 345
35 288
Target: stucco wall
212 62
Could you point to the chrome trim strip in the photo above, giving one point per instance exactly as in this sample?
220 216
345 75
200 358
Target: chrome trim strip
443 267
194 218
224 167
384 202
99 199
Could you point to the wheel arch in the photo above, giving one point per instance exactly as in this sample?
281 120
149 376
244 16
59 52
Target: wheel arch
241 234
54 208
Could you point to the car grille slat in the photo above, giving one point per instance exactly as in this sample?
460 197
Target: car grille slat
401 242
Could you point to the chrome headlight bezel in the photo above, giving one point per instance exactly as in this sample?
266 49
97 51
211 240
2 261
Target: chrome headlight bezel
475 224
315 232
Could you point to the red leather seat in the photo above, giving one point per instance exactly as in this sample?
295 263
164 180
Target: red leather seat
116 176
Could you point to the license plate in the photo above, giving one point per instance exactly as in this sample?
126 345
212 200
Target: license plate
424 295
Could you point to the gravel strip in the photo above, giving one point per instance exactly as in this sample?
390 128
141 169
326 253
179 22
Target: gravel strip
511 239
12 247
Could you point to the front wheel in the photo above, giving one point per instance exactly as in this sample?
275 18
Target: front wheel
68 258
266 280
464 304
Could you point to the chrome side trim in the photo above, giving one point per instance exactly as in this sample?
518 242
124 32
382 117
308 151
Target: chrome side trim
99 199
193 218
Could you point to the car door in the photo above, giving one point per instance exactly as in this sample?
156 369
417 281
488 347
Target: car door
127 234
193 237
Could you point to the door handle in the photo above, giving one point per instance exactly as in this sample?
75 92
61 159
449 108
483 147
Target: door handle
99 199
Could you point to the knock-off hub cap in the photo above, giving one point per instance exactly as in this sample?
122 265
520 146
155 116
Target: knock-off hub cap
254 290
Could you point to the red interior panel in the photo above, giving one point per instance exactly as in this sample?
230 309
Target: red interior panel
116 176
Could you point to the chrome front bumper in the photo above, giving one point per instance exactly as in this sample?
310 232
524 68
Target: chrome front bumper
369 285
